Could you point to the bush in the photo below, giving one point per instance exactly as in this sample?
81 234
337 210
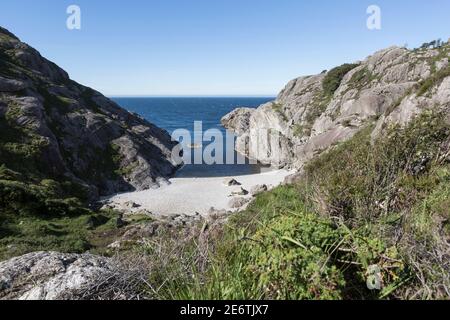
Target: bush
434 80
334 77
43 216
279 249
290 258
357 179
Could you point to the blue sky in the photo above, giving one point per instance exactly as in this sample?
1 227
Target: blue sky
215 47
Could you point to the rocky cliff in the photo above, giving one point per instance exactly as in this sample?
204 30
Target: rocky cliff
314 113
54 128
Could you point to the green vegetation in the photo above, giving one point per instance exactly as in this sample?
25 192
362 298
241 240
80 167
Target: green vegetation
20 234
435 79
363 214
435 44
104 163
278 108
62 104
320 103
361 78
45 216
88 96
334 78
40 209
300 131
318 106
322 98
19 147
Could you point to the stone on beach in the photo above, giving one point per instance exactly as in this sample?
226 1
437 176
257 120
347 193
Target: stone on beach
258 189
131 205
231 182
241 192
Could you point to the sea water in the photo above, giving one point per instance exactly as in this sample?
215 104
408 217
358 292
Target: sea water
173 113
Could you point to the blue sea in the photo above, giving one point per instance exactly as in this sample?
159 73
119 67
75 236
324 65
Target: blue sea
173 113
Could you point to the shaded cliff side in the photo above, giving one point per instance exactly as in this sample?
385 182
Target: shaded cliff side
52 128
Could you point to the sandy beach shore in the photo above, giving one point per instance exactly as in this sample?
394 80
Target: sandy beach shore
196 195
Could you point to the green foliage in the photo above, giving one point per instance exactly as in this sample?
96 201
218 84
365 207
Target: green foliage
334 77
430 219
330 235
360 79
289 258
433 80
278 108
26 198
20 148
322 98
52 101
22 233
301 130
8 68
88 96
105 162
280 249
435 44
358 176
44 215
320 103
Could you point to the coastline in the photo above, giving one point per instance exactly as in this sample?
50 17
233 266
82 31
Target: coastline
191 196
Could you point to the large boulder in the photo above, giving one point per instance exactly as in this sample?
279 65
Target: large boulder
238 120
260 188
52 276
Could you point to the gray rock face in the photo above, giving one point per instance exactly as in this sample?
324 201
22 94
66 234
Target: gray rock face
238 202
82 135
50 275
238 120
305 120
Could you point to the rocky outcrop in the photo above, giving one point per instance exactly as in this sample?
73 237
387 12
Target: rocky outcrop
66 131
314 113
238 202
52 276
254 191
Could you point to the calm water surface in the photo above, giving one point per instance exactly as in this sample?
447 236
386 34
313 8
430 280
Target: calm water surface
174 113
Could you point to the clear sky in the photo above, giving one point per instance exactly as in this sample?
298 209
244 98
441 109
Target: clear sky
215 47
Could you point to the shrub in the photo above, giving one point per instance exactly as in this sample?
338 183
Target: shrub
433 80
357 179
289 258
278 108
334 77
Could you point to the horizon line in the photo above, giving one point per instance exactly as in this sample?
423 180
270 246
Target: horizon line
194 96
